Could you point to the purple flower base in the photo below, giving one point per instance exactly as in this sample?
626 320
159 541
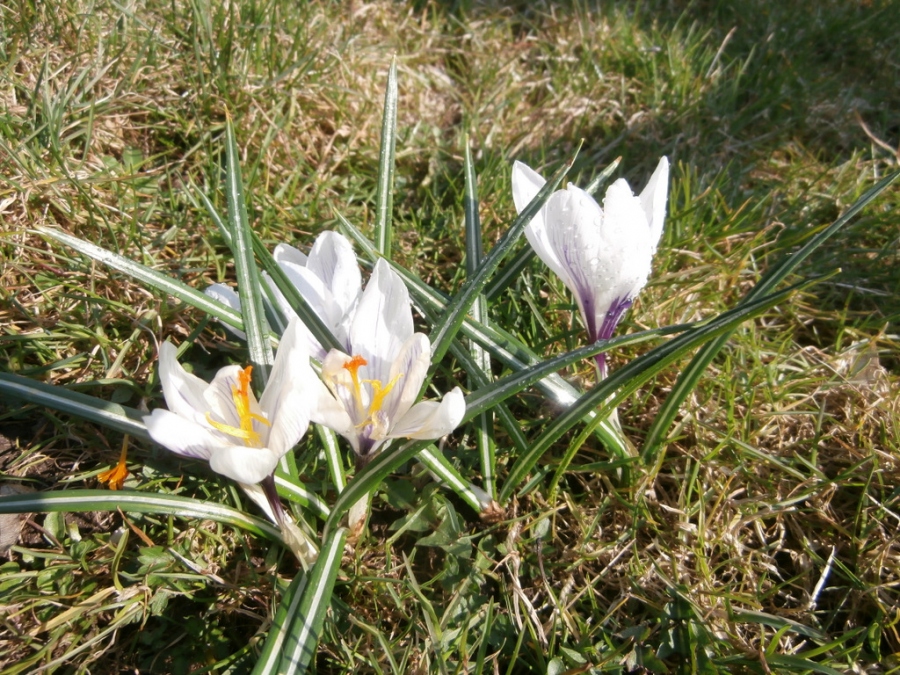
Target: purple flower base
607 328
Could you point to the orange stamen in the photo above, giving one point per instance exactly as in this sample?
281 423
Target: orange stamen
116 476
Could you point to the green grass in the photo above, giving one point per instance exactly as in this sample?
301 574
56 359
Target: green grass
764 539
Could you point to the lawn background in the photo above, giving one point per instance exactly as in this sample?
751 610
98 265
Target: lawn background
765 539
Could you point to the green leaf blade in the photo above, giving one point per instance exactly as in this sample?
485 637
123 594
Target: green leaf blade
249 284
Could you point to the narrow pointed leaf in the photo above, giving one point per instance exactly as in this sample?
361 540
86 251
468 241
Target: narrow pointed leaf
306 626
603 177
153 279
297 492
270 656
509 273
370 477
483 423
332 456
503 388
689 377
509 422
385 190
109 414
446 473
249 283
136 502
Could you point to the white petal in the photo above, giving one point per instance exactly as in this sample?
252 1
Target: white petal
629 243
258 496
411 365
653 200
312 345
184 392
526 183
287 253
315 291
181 436
382 322
285 400
243 464
333 261
227 296
574 226
324 408
429 419
224 294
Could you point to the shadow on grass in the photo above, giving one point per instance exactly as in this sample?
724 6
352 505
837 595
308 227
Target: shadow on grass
771 89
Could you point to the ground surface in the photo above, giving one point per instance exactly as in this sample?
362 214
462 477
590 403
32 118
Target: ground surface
765 537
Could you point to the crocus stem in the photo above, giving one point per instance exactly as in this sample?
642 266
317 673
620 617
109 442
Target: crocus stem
294 538
271 492
600 361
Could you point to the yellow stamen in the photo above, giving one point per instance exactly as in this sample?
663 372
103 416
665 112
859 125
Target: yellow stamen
116 476
379 391
241 397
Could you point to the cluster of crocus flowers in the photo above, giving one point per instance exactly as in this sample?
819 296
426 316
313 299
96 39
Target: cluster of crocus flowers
368 390
603 255
367 393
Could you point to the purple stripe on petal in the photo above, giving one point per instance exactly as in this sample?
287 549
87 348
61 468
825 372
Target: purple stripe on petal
610 321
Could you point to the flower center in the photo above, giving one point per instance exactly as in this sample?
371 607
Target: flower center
240 395
379 390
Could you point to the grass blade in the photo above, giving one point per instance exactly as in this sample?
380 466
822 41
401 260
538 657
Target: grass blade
385 190
136 502
484 440
306 627
109 414
606 395
249 284
151 278
655 439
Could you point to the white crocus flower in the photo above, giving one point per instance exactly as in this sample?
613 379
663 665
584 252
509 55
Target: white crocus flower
223 423
370 391
603 255
328 279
